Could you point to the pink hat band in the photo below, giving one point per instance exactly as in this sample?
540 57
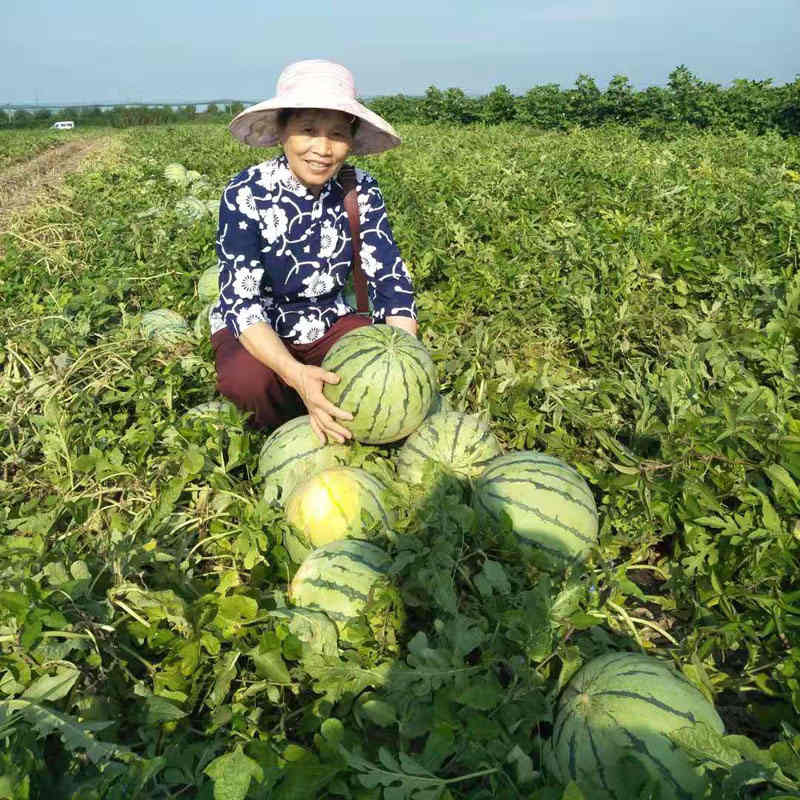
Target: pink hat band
314 83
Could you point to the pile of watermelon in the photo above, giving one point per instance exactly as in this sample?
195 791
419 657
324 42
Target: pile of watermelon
339 528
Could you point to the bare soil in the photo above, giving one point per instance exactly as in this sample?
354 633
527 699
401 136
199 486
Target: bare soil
29 182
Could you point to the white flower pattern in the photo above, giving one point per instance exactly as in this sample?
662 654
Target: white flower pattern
289 269
327 240
318 283
246 203
247 282
275 222
307 330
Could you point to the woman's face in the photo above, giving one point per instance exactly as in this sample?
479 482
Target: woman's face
316 143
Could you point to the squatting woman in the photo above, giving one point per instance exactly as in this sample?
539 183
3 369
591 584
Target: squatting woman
285 249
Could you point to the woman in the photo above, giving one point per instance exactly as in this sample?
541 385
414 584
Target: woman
285 250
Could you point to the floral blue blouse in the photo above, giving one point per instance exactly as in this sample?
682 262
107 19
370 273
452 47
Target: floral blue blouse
284 255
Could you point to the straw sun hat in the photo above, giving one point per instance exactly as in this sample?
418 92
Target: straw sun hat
314 84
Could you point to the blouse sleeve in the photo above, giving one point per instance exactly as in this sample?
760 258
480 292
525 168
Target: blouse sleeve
243 293
388 281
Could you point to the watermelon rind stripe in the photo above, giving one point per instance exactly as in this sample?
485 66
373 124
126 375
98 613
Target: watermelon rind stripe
354 380
544 517
340 588
406 393
283 464
381 395
377 565
598 761
526 466
498 482
376 496
350 357
456 436
335 501
571 764
641 747
650 700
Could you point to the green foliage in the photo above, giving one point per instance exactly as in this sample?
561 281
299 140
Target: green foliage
628 305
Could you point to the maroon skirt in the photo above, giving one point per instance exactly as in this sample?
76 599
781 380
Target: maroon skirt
253 387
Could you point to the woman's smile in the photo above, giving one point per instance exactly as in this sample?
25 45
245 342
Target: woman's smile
316 143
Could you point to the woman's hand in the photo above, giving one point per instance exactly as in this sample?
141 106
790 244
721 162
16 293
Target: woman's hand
308 381
264 344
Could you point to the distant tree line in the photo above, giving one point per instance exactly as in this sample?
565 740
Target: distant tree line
755 106
120 116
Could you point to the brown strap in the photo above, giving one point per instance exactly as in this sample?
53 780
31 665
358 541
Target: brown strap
347 177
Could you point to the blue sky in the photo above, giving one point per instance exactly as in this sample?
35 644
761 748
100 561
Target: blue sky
60 51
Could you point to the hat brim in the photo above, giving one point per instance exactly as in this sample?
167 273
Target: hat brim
257 125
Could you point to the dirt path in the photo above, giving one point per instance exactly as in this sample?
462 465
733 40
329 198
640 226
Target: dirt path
24 183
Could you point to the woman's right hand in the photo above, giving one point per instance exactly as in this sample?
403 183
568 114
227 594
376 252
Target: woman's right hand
308 382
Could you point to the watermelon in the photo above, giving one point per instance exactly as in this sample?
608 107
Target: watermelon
328 506
176 173
211 410
340 579
292 453
461 443
208 285
387 381
625 704
551 507
164 327
202 324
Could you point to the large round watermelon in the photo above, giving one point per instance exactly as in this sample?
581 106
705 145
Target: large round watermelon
208 285
625 704
292 453
550 505
341 579
387 382
333 504
461 443
164 327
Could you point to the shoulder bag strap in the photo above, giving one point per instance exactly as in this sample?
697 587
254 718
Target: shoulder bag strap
347 177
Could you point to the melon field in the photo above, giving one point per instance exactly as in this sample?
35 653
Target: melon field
628 306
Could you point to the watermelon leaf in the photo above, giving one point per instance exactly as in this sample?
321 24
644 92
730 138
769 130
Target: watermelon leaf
232 774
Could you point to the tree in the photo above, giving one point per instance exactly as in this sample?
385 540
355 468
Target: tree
617 103
544 106
585 101
499 105
693 101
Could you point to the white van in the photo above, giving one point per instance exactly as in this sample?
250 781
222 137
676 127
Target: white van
66 125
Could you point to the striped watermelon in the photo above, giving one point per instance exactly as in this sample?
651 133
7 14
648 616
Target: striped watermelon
341 579
550 505
388 382
165 327
211 410
461 443
329 505
208 285
624 704
292 453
